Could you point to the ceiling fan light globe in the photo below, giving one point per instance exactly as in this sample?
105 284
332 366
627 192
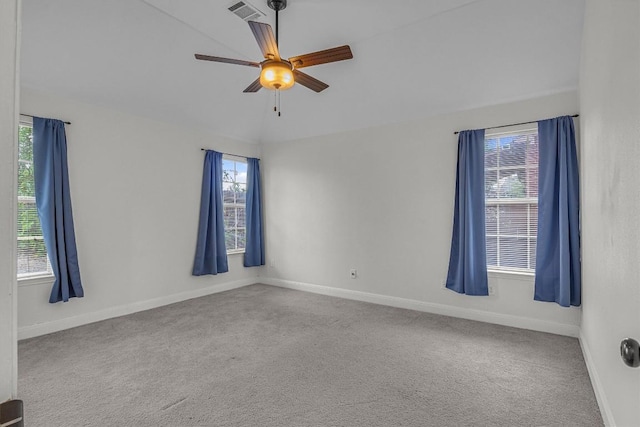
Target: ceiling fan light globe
276 75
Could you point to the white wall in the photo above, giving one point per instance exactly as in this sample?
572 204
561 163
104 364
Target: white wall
9 84
610 108
381 200
135 189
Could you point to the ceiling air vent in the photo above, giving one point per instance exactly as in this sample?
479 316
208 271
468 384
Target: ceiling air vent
246 11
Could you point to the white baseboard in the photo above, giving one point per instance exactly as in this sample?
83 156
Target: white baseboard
601 397
446 310
122 310
428 307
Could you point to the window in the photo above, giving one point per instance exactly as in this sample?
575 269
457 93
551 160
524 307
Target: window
234 192
511 197
32 253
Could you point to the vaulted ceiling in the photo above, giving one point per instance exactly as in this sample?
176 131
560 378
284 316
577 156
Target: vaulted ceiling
412 58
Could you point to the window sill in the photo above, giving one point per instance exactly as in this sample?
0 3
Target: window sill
36 280
238 252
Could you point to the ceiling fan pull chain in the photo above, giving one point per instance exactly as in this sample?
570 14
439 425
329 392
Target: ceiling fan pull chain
276 101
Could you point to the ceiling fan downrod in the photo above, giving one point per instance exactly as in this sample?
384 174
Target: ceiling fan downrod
277 5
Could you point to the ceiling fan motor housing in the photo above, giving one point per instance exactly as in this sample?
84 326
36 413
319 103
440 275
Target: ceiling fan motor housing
277 5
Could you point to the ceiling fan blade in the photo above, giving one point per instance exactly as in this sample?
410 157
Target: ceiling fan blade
253 87
227 60
322 57
266 40
308 81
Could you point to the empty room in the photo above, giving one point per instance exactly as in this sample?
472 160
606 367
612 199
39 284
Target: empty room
319 213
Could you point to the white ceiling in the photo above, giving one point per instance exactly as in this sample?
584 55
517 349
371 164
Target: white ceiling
412 58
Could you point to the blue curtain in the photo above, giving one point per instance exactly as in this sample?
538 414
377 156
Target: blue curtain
558 249
254 250
53 201
211 252
468 259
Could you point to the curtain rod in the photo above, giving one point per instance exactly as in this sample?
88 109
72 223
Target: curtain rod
228 154
514 124
29 115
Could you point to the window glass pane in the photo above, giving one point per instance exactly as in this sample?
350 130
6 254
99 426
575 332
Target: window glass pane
241 217
234 198
241 238
492 251
511 175
532 165
491 184
491 219
512 150
490 153
230 239
227 170
25 143
510 184
241 172
28 221
513 220
26 183
32 257
32 253
513 252
241 195
228 196
532 249
230 217
534 220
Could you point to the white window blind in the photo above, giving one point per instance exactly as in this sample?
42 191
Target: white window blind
234 192
32 253
511 199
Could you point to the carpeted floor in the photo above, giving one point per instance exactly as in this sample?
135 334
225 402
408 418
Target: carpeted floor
265 356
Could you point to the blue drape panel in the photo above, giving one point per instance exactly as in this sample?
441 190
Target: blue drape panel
468 259
254 250
211 251
53 200
558 275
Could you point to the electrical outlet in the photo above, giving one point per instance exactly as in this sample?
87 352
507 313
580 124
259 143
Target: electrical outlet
353 273
272 263
492 290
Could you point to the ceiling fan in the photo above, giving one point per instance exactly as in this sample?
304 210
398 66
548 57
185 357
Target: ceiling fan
278 73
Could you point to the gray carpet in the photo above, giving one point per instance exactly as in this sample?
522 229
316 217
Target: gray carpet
265 356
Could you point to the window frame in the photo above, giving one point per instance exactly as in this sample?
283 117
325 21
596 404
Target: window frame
236 159
526 129
36 278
